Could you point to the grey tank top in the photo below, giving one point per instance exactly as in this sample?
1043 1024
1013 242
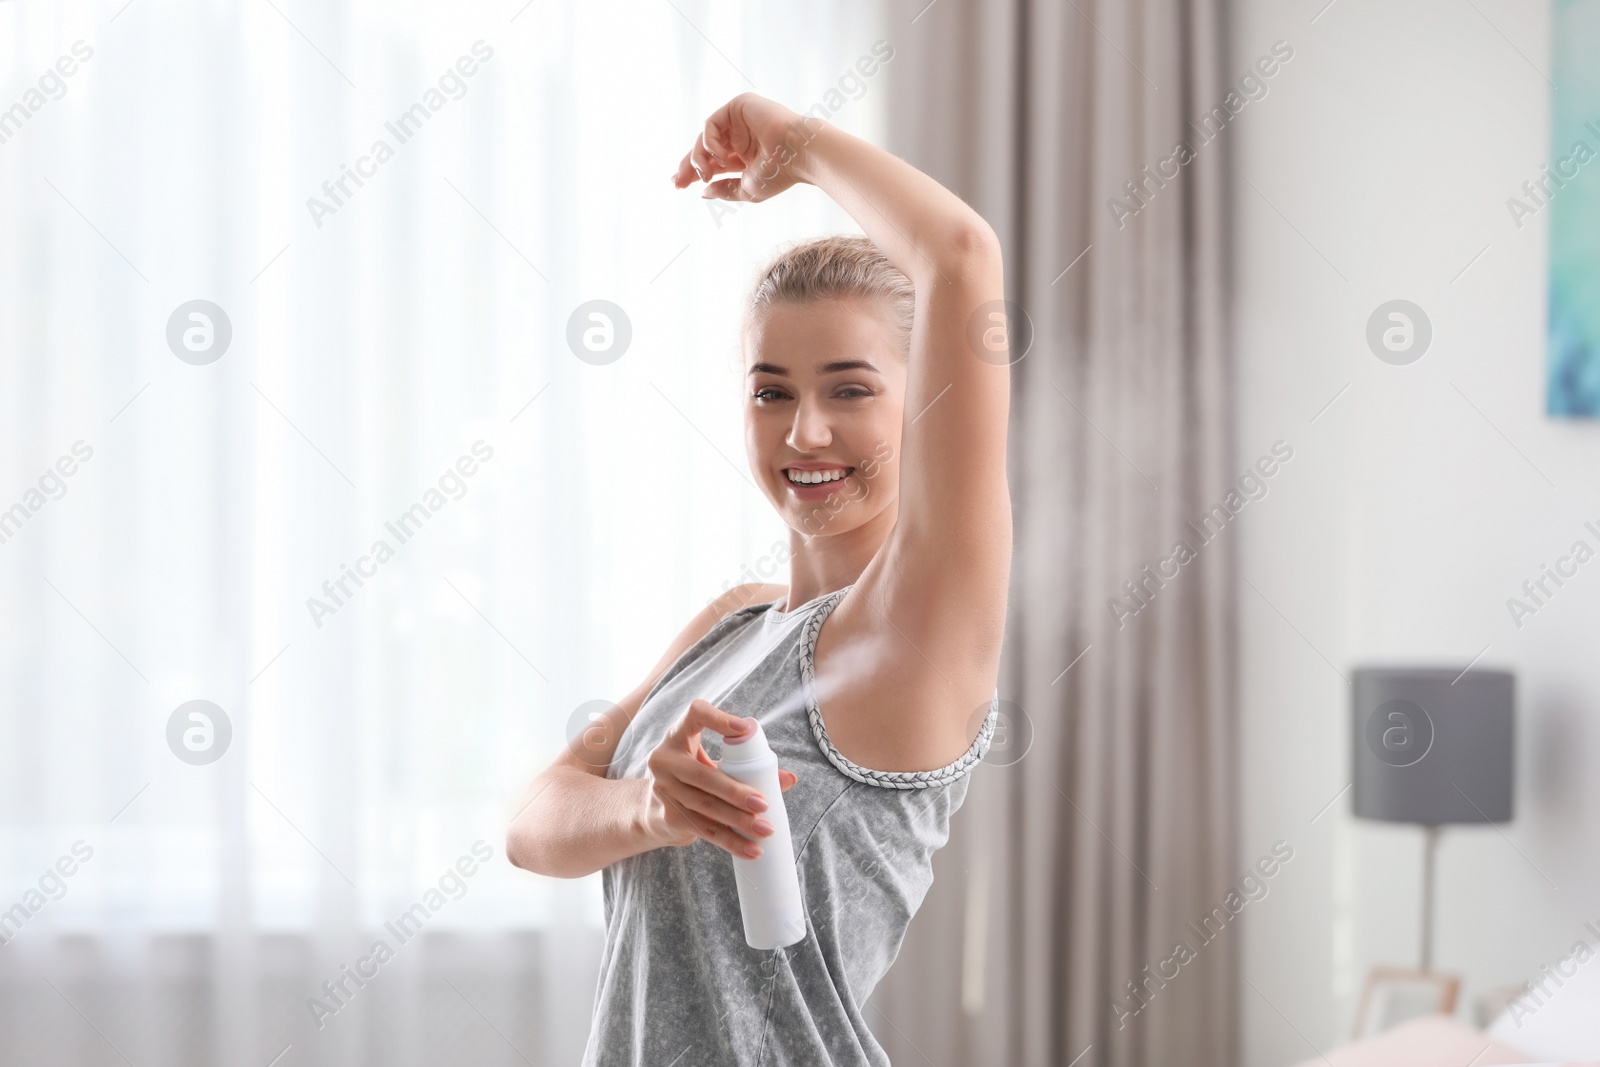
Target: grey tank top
679 987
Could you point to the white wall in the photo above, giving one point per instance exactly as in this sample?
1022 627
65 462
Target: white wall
1385 152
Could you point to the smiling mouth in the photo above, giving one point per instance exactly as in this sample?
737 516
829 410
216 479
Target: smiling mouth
810 479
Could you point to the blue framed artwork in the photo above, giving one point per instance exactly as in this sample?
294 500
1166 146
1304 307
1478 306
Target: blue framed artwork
1571 191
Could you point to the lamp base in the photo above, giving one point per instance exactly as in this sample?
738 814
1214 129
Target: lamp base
1430 846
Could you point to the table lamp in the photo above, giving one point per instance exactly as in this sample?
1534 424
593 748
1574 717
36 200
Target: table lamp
1431 746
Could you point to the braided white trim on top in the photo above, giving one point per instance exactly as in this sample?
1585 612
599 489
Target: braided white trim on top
945 775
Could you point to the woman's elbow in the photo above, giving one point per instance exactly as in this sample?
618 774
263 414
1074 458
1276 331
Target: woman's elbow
520 850
970 249
525 834
526 850
977 238
527 844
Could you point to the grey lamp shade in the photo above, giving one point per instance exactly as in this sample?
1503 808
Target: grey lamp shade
1432 745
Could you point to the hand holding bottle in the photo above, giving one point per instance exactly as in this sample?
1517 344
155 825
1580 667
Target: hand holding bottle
691 797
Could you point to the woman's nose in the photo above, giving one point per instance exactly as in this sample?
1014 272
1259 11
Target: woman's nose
810 431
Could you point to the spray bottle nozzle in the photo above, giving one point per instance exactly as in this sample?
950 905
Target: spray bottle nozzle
749 745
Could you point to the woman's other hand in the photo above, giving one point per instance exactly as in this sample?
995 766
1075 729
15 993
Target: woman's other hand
754 136
691 797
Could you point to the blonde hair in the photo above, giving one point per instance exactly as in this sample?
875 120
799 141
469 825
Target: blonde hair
842 266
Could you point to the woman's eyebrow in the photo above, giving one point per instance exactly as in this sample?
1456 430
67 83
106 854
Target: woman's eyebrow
826 368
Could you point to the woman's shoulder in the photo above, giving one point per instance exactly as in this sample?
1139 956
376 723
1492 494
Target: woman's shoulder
743 596
706 619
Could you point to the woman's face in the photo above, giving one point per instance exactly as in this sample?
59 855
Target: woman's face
824 395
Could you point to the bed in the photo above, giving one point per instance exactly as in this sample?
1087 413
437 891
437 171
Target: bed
1559 1025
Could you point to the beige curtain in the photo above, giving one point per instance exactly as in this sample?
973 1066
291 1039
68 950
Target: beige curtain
1074 867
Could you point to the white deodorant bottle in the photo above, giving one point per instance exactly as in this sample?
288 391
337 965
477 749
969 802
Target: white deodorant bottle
769 888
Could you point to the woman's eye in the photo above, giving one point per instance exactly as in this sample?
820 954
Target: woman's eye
849 392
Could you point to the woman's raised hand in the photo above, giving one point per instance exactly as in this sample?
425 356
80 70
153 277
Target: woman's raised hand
752 135
691 797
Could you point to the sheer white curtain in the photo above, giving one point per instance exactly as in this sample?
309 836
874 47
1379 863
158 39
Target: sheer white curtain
396 534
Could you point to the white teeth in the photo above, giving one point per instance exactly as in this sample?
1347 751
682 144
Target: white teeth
817 477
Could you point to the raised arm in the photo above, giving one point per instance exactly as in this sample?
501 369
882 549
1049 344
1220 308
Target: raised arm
929 611
955 508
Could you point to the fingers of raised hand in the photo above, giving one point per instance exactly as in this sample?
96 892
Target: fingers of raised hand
728 145
735 138
696 165
725 189
684 174
708 161
787 779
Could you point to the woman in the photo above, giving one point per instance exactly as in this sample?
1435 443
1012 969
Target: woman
875 422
